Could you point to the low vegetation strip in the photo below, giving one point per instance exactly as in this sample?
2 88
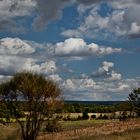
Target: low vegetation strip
104 129
127 135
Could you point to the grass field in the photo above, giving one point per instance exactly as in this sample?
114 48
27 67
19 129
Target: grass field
97 130
82 130
70 125
9 132
128 135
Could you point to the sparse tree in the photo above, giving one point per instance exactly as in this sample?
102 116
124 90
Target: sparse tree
38 96
134 98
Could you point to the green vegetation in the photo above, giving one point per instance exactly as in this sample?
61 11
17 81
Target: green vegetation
85 115
134 98
89 108
53 126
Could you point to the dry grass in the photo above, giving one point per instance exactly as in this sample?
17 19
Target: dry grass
128 135
71 125
106 129
9 132
83 130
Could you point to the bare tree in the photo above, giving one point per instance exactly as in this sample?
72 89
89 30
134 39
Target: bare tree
33 94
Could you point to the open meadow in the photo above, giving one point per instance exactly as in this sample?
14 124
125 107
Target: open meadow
82 130
127 135
98 130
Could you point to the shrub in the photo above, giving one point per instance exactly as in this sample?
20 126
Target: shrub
85 116
68 117
79 117
64 119
105 117
57 117
93 116
123 116
53 126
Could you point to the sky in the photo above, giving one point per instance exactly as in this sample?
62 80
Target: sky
90 48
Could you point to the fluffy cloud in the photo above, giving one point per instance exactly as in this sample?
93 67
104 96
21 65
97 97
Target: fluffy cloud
135 28
116 87
89 89
96 26
78 47
69 85
55 78
10 9
15 46
122 21
108 86
115 76
17 55
98 89
10 64
81 84
42 11
106 71
42 67
114 3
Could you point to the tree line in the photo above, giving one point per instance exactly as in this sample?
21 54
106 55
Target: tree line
93 108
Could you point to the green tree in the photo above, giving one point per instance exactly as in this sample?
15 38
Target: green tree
134 98
39 96
85 115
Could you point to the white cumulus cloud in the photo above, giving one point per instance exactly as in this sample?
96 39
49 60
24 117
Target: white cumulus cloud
106 71
55 78
124 20
39 67
15 46
78 47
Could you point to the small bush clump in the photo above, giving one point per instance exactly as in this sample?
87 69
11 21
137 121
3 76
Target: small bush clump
85 116
103 117
53 126
93 116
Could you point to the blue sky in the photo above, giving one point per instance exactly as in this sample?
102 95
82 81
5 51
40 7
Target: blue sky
91 48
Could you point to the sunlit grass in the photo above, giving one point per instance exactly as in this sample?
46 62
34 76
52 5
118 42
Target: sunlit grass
82 123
